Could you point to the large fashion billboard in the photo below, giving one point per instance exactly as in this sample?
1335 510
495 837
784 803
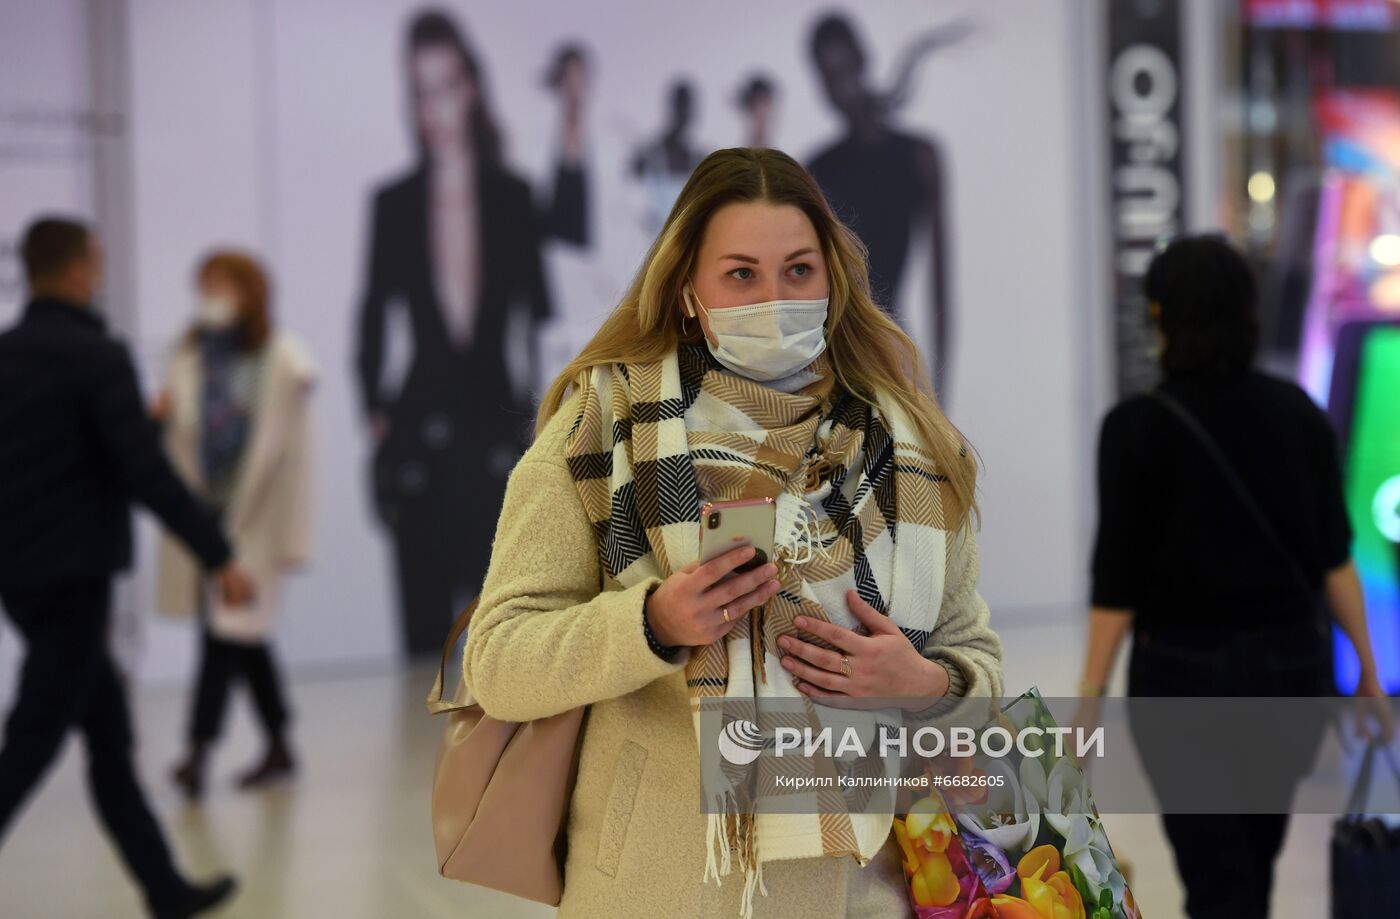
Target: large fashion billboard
452 197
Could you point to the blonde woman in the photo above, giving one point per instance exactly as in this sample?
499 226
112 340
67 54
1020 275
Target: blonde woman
236 408
746 360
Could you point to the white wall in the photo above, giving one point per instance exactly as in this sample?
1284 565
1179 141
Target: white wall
203 121
45 147
266 122
45 150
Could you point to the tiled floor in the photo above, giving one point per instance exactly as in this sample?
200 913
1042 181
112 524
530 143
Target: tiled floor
350 840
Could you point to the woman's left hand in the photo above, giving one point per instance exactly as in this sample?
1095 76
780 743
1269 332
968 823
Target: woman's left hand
876 670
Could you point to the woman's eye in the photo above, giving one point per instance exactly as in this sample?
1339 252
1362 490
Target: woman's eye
802 270
743 274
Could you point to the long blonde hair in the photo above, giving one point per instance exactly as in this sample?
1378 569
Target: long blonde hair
870 354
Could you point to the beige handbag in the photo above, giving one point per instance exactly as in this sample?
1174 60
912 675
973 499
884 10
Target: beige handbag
501 792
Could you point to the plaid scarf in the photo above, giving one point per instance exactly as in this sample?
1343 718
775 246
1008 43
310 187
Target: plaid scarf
653 441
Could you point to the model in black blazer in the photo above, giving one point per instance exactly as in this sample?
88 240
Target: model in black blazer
456 425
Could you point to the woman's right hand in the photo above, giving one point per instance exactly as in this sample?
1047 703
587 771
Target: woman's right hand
688 608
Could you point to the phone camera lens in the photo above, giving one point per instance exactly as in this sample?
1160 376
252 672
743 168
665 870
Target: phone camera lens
714 520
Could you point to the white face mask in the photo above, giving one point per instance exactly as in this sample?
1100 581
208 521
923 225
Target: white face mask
217 312
765 341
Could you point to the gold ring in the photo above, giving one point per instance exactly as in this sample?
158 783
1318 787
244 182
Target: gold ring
725 611
845 665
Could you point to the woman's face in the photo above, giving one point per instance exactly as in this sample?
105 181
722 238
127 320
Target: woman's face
761 108
839 67
220 305
756 251
218 285
573 82
443 96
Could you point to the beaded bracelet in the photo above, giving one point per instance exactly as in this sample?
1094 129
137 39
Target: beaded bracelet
665 652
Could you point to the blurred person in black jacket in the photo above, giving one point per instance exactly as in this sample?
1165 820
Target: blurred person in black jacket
78 448
1221 576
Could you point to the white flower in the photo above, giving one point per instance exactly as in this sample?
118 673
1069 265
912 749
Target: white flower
1064 798
1010 818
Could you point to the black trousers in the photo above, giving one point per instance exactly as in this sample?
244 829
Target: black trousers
69 682
440 478
1226 861
221 664
437 577
442 544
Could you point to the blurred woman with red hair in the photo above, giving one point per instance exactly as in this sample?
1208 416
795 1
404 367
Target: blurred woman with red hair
237 427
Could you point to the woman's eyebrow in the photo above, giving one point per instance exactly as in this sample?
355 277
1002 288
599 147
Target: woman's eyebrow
807 250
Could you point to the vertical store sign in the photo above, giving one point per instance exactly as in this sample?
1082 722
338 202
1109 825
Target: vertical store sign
1145 160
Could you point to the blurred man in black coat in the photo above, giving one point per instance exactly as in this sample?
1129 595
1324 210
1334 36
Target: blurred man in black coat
76 448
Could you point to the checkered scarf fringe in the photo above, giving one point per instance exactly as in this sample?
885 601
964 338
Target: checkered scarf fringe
652 442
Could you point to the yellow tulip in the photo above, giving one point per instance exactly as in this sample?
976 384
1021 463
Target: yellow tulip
1039 862
1069 896
935 884
922 814
1008 907
1053 898
937 837
911 859
919 888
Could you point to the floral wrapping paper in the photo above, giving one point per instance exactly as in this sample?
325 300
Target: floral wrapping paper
1030 848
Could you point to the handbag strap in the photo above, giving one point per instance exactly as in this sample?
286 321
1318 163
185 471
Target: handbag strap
1236 484
1361 788
436 704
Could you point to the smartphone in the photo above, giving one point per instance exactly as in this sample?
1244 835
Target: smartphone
726 525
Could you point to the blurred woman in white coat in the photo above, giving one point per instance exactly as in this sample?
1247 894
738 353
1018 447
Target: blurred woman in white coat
237 427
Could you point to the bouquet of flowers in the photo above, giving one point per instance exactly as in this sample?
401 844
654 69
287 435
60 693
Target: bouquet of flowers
1026 845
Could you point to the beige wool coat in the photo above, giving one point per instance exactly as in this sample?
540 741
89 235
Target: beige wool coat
550 636
269 516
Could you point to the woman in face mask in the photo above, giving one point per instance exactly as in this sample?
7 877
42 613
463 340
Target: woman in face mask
746 361
236 414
